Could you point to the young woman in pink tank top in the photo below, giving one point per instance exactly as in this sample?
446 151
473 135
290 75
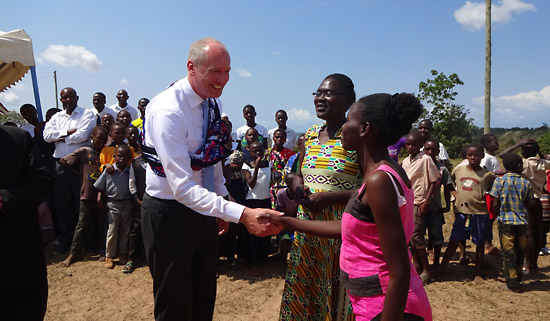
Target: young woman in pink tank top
378 221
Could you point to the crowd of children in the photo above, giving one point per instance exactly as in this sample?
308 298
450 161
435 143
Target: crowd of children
483 192
112 179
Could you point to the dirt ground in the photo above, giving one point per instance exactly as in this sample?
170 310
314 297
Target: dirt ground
88 291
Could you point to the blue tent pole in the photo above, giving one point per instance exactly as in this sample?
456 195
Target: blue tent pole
36 94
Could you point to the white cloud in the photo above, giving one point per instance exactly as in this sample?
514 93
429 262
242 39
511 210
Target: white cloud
71 56
276 53
526 109
123 81
532 100
301 119
9 97
472 15
243 72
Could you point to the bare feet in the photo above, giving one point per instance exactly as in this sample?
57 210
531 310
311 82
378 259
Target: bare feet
478 279
425 277
68 261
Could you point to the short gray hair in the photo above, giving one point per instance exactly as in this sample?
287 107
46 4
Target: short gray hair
197 50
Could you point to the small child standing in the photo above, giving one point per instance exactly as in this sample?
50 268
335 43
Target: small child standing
471 215
117 137
512 197
423 175
258 177
278 157
435 211
120 204
286 203
87 159
491 163
535 166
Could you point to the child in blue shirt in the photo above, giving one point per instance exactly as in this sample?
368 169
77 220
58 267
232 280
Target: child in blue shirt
120 204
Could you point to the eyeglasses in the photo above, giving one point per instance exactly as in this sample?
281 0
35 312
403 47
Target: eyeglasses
326 94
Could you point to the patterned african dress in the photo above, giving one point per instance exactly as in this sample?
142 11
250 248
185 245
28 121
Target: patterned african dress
311 287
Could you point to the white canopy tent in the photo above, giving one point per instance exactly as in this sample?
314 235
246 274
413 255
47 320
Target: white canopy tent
16 58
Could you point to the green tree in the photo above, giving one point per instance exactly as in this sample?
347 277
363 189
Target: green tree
544 143
451 123
12 116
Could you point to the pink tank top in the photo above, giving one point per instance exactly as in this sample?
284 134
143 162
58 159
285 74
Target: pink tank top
363 269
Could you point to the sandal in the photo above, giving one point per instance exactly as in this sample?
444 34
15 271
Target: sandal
128 267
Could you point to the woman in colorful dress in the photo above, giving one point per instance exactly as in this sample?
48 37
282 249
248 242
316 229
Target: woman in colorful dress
376 266
328 174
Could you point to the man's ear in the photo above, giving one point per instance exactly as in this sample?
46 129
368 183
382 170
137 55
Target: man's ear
190 67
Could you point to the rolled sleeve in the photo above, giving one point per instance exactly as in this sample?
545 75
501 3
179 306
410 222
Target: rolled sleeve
51 132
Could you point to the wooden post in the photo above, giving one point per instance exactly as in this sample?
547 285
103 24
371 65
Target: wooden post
487 121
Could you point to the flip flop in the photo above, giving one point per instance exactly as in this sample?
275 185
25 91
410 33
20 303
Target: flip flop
128 267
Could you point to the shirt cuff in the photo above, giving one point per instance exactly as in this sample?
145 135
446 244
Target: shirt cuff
233 212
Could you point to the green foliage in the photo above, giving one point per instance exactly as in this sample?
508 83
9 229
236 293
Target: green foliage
451 125
544 143
12 116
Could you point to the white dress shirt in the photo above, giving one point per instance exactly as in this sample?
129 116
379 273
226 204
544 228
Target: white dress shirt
29 128
290 137
82 119
106 110
132 110
174 127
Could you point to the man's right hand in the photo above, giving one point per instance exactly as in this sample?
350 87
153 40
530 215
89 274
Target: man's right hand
250 219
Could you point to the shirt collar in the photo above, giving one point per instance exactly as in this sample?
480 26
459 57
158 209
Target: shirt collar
76 111
116 168
194 99
418 156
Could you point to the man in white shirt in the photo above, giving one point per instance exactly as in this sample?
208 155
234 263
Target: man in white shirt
249 114
180 217
99 110
69 129
281 118
122 97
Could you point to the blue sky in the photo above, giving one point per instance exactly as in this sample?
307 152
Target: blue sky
281 50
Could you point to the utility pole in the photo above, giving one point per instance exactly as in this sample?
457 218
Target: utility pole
55 82
487 122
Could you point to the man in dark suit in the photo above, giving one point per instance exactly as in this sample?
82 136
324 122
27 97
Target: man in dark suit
25 182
